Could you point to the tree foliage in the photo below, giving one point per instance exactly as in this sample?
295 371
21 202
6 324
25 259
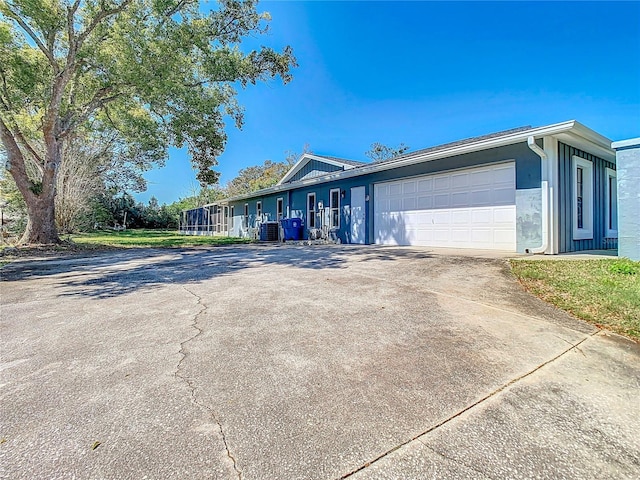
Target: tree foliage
157 72
262 176
380 152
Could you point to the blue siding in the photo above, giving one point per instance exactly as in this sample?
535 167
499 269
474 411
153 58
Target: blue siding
314 168
528 176
565 194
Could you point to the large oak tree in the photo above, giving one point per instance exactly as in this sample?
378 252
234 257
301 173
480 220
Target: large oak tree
159 72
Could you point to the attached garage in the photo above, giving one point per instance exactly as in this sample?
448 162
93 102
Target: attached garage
467 208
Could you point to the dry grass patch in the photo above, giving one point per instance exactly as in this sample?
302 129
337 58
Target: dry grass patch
603 292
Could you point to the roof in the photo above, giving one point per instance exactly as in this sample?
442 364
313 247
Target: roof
456 143
355 163
571 132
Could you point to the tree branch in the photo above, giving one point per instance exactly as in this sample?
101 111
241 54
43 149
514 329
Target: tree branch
17 166
48 53
102 14
100 99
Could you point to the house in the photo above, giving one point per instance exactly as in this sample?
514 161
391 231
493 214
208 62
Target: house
548 189
628 171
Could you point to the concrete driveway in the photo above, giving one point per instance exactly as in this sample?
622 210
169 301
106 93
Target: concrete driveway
336 362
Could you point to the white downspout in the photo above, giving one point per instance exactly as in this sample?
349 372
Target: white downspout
531 141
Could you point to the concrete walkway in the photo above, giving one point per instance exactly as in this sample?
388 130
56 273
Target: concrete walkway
330 362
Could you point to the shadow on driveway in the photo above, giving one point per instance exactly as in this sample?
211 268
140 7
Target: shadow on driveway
110 274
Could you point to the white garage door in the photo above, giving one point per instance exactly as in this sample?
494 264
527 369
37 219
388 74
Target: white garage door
470 208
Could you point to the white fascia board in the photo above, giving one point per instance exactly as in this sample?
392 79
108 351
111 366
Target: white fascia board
558 129
632 142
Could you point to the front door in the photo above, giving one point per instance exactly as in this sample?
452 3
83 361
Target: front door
358 230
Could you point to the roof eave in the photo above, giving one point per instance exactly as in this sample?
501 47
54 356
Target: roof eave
571 131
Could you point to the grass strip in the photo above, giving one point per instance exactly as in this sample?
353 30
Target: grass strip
603 292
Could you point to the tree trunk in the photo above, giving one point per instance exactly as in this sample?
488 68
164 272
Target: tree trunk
39 197
41 224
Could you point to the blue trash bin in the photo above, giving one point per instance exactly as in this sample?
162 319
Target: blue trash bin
292 228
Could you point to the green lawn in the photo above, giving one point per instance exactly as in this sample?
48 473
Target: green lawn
603 292
149 238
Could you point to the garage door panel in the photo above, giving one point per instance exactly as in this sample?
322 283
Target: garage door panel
441 183
425 202
408 187
502 175
482 236
441 200
481 216
481 197
481 178
409 203
459 180
473 208
460 235
461 217
460 199
425 185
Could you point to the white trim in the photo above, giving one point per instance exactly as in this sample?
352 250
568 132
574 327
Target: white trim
279 215
586 232
332 208
611 232
259 208
315 220
632 142
550 145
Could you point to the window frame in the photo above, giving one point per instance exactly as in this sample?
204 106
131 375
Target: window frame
279 208
335 208
259 209
611 203
587 208
311 212
231 216
245 217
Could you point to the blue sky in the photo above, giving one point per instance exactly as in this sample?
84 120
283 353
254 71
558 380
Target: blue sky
426 73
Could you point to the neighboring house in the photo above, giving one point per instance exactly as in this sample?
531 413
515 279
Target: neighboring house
549 189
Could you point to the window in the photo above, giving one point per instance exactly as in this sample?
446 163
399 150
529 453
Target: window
582 199
231 215
258 208
311 210
225 220
279 209
611 204
334 205
245 217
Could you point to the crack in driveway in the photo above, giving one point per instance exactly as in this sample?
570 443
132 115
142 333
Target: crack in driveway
455 460
192 387
574 346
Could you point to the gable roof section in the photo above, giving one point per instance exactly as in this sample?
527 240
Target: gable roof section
570 132
305 158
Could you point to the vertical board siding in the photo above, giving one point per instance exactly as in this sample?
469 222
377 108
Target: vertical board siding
565 210
314 168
